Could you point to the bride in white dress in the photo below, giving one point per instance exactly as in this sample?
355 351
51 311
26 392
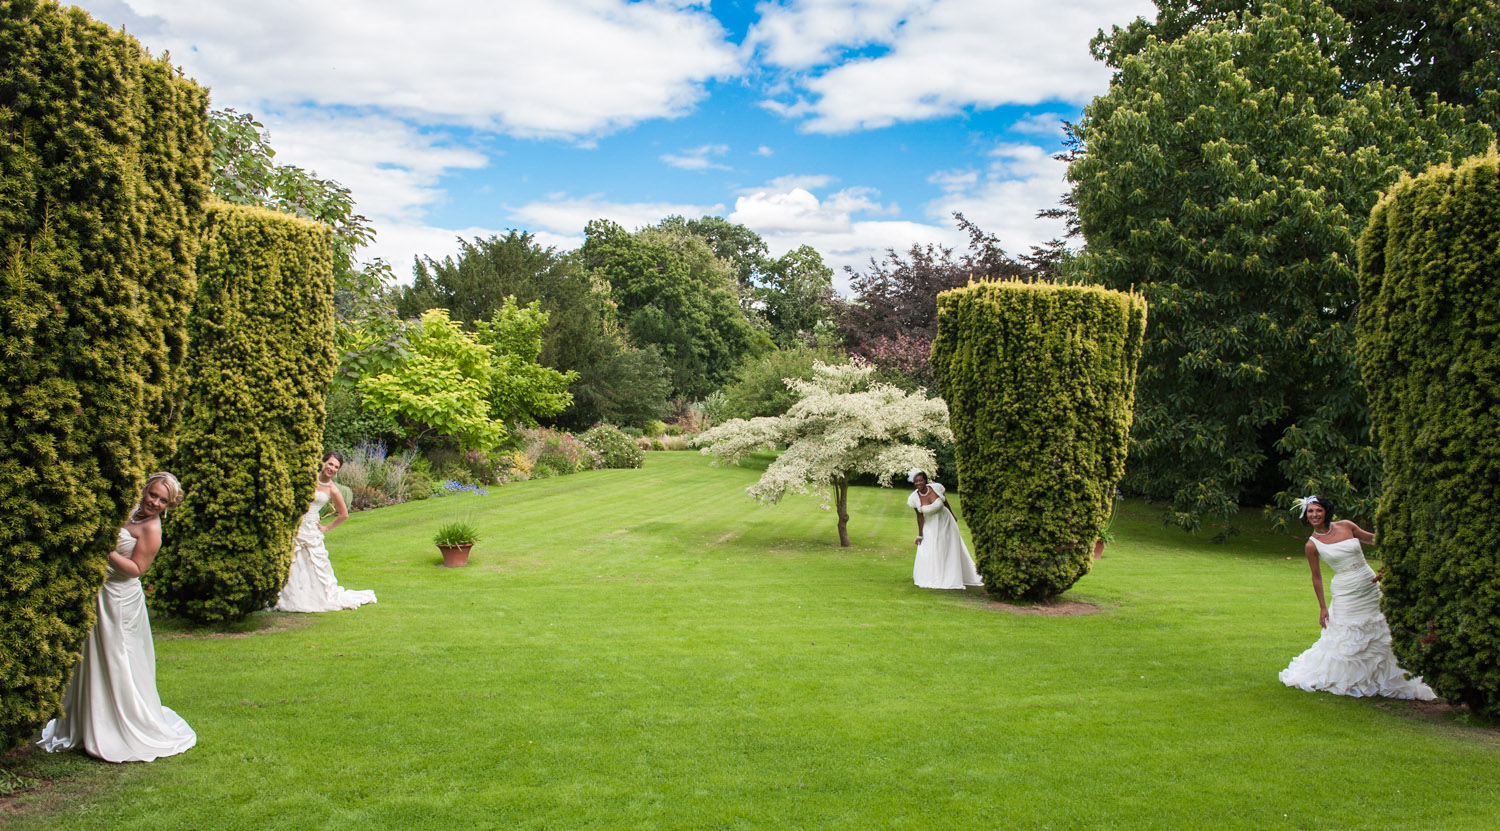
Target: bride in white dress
943 561
111 709
1353 655
310 585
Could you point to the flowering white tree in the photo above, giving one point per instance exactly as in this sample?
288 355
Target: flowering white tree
842 425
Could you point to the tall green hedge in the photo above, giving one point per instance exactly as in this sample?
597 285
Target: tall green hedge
104 163
260 359
1040 385
1429 349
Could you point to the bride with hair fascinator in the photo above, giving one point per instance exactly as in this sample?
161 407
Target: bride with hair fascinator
943 561
1353 654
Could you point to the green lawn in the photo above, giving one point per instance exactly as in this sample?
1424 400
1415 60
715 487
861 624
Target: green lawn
650 649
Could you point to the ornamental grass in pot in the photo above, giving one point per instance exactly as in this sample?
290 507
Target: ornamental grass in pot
455 538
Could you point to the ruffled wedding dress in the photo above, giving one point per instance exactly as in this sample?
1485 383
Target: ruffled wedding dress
311 586
943 561
1353 655
111 709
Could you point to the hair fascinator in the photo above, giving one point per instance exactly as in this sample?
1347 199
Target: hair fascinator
911 475
1301 504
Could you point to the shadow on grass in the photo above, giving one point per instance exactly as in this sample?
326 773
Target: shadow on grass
259 623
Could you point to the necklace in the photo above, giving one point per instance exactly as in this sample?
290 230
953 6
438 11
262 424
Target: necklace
1318 533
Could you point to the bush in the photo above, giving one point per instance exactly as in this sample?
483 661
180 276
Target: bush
616 449
259 365
1040 383
553 453
104 162
653 428
347 424
377 477
420 484
1429 350
760 388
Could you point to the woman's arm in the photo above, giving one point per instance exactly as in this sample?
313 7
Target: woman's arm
1361 534
1317 581
920 524
1368 539
147 543
340 510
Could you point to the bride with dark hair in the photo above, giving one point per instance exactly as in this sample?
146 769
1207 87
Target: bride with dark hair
310 584
111 709
943 561
1353 654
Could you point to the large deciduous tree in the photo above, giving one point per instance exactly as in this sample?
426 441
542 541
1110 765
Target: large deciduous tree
673 293
843 425
795 296
521 390
1433 47
1228 173
743 250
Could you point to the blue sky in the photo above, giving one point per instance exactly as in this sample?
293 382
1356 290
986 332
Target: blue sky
848 125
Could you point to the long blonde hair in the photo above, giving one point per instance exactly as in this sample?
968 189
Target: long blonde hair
174 493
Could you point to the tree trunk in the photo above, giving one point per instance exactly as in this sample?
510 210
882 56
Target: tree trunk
841 499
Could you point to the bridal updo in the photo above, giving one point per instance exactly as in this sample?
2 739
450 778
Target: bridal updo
174 491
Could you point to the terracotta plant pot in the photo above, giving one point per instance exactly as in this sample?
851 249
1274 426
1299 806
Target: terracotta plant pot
455 555
1098 549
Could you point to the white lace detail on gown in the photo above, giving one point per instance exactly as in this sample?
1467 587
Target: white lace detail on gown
111 709
310 585
943 561
1353 654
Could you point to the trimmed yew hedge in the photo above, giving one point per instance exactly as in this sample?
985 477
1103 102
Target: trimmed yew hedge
260 359
1040 385
104 162
1429 349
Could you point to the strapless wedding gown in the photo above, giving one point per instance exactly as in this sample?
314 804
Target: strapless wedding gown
311 586
1353 655
943 561
111 709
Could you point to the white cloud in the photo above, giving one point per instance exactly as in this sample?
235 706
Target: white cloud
1040 124
1020 180
398 243
391 167
698 158
931 59
763 151
564 217
806 33
787 214
563 68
